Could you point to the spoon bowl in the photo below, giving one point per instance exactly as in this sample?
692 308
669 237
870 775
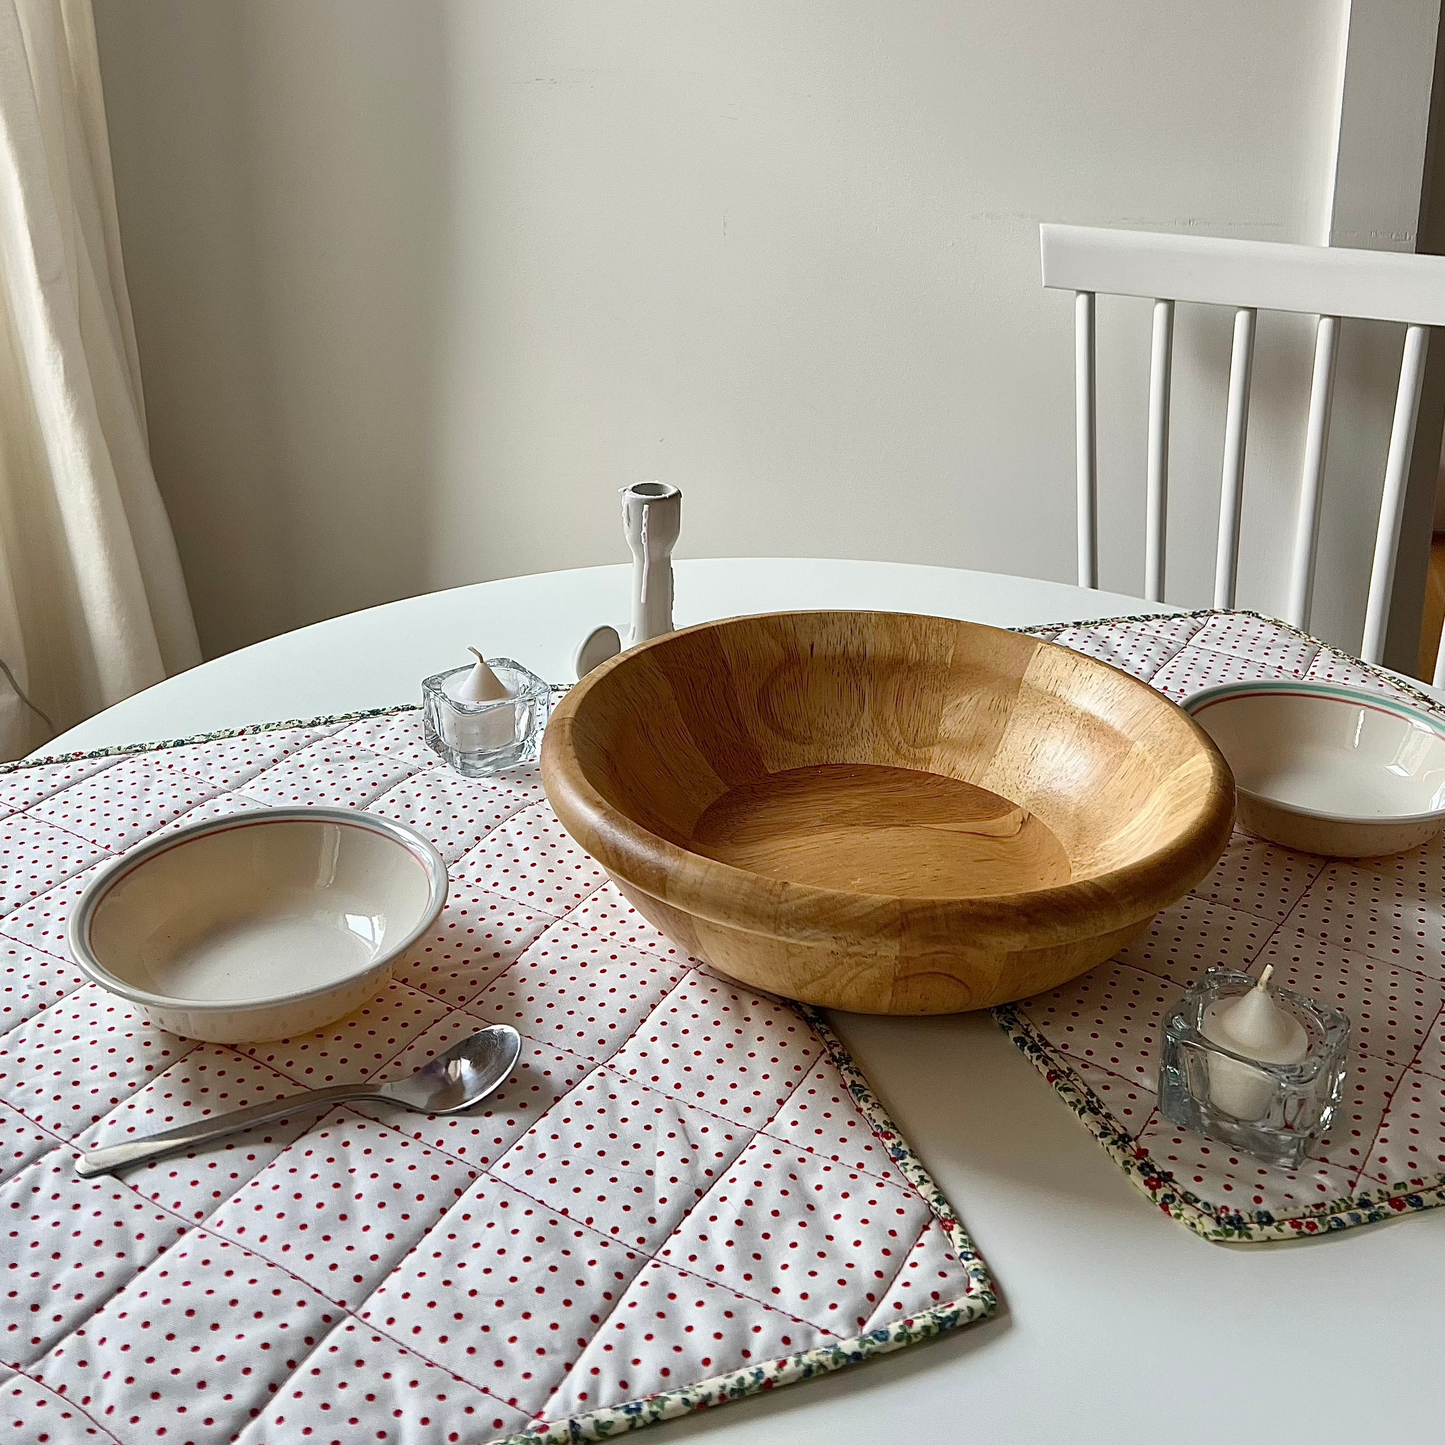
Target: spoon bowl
461 1077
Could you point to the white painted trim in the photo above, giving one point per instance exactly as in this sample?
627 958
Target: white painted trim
1383 125
1336 111
1260 275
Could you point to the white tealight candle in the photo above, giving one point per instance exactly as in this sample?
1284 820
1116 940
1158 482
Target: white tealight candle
476 732
1256 1027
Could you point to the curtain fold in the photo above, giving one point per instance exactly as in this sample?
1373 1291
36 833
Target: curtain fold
93 604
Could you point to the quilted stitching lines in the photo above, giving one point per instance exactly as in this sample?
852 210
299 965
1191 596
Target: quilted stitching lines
624 1161
478 1273
342 1206
502 1287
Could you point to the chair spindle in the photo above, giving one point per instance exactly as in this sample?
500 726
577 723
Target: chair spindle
1317 438
1392 503
1236 427
1086 438
1157 497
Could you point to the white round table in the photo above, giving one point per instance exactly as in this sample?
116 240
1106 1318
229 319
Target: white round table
1116 1324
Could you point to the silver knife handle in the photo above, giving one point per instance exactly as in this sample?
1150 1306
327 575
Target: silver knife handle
157 1146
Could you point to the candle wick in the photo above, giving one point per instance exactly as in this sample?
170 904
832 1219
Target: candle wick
476 654
1264 975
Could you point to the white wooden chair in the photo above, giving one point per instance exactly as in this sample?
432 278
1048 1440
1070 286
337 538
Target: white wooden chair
1250 276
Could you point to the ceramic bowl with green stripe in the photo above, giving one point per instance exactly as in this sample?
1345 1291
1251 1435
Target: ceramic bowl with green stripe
1335 770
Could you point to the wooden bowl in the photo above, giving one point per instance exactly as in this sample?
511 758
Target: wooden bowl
886 813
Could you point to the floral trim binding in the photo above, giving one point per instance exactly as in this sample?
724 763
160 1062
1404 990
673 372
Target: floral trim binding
219 735
978 1301
1159 1185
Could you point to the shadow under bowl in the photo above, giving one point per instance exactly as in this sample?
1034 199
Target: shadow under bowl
882 812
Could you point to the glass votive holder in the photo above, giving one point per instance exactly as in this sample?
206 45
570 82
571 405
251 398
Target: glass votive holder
482 738
1274 1111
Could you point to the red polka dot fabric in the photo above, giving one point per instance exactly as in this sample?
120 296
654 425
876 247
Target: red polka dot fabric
684 1193
1366 937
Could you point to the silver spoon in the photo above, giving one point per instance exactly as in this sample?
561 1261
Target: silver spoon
453 1081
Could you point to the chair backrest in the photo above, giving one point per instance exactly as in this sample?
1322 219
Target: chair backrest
1250 276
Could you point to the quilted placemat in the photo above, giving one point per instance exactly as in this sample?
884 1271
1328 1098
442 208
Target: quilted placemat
1366 937
684 1194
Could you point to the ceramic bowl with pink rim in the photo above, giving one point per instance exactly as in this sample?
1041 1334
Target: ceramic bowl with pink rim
259 925
1335 770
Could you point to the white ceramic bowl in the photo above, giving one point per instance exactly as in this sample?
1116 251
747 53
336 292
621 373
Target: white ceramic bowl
260 925
1332 770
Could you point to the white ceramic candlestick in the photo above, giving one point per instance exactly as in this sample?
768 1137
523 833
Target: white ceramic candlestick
1256 1027
651 522
473 732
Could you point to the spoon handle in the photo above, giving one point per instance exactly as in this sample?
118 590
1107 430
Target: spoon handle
202 1131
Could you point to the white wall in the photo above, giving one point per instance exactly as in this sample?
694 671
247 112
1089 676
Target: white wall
419 285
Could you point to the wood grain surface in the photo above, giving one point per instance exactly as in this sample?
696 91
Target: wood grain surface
882 812
859 826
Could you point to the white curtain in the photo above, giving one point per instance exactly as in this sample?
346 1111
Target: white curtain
93 605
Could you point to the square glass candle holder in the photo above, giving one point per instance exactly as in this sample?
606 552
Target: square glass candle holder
1274 1111
482 738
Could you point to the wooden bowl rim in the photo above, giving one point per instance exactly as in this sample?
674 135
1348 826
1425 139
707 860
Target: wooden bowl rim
775 907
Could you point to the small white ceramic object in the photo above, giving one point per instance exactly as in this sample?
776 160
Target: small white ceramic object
259 925
594 649
1324 769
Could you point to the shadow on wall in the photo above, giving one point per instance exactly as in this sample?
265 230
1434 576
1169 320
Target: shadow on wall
254 320
418 286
